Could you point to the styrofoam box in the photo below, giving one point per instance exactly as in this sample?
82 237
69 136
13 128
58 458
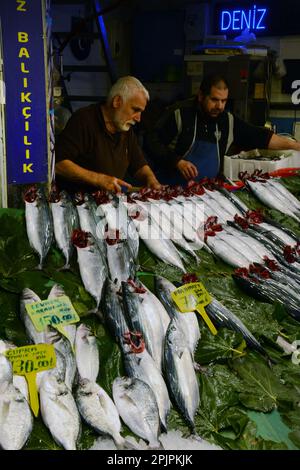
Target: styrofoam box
250 161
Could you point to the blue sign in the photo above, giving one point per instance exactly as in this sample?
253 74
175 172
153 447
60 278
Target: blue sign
238 19
25 86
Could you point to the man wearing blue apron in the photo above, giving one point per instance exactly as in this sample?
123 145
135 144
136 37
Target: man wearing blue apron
191 138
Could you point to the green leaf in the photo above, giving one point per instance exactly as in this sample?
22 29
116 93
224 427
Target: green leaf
271 427
251 441
218 347
261 390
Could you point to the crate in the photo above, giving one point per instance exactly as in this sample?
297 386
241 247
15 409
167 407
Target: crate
260 159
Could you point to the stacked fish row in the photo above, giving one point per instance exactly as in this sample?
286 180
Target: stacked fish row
157 344
141 399
77 360
272 193
266 254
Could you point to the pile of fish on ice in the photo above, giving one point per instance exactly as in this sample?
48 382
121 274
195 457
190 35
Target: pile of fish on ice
69 392
156 340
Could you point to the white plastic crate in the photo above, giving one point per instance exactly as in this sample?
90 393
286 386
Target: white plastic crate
250 161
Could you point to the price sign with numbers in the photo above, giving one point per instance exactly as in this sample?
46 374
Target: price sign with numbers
55 312
194 296
28 361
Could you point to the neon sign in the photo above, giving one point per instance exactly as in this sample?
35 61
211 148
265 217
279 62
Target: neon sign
253 18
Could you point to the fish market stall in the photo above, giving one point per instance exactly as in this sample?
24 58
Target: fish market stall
243 382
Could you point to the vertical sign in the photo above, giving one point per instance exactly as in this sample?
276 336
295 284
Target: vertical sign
25 82
3 182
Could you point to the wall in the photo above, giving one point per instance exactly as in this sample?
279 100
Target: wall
93 83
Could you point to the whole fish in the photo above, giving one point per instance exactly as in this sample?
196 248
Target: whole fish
270 291
162 214
121 265
65 221
188 320
28 296
98 410
142 316
16 420
224 202
137 407
223 317
270 197
226 252
86 353
59 412
92 265
132 235
180 373
151 234
113 310
19 381
139 364
63 346
90 220
39 224
58 291
236 201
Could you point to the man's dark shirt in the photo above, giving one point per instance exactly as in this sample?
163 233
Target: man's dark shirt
86 141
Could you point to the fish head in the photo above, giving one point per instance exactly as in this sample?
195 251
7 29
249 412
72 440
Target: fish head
31 194
80 238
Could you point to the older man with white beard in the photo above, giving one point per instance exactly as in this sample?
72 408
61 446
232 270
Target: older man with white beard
98 145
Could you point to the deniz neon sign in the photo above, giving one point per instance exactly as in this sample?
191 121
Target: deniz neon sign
238 20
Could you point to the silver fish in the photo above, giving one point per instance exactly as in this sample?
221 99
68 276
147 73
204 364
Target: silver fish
141 366
114 310
222 316
138 409
39 224
180 373
98 410
62 344
16 421
163 248
86 353
187 320
142 316
65 221
28 296
270 197
120 262
19 381
59 412
92 265
58 291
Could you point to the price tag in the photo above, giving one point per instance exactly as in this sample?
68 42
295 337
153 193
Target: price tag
55 312
28 361
194 296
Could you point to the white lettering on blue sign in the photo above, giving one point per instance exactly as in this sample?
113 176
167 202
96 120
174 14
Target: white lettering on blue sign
239 20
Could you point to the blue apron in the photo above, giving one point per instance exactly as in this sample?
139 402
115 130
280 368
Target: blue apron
204 155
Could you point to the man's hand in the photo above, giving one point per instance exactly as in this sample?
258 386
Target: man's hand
146 176
111 183
153 183
187 169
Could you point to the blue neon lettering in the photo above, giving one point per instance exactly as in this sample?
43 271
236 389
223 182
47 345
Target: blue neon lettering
247 20
238 20
223 27
264 12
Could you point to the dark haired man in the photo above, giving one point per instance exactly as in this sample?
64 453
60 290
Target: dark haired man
191 138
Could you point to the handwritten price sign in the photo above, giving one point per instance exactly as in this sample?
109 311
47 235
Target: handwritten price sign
28 361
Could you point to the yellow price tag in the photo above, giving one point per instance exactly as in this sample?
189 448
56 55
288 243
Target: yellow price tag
194 296
55 312
28 361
